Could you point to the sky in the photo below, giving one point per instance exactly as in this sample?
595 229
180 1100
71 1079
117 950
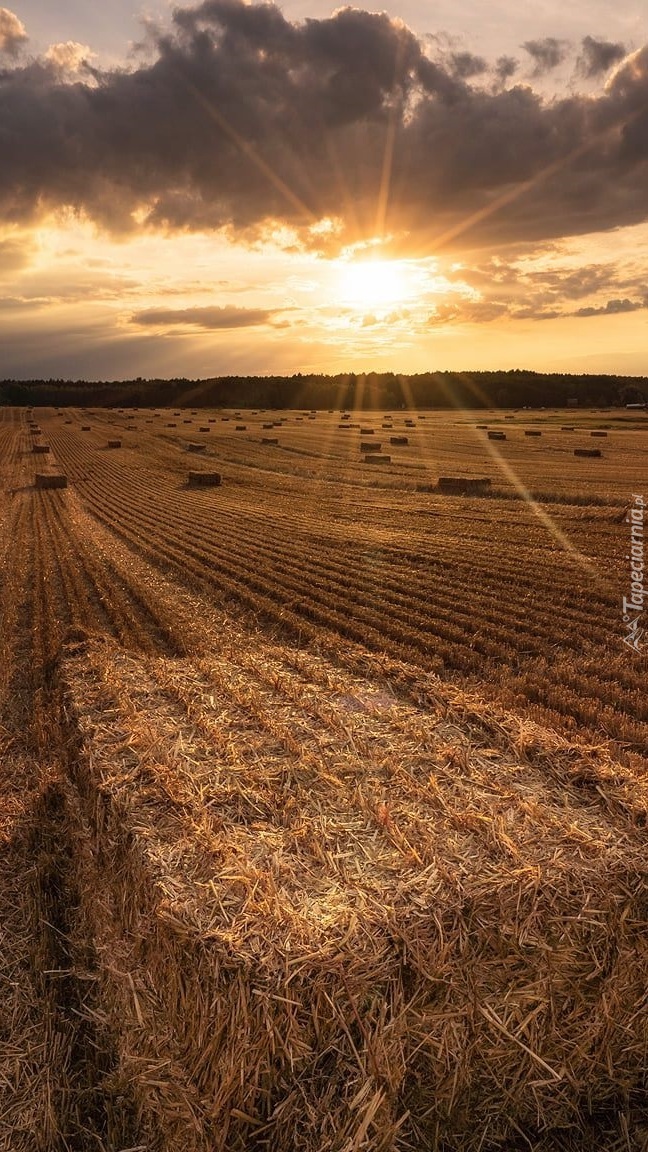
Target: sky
229 187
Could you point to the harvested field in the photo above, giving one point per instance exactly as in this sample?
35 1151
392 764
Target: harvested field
324 797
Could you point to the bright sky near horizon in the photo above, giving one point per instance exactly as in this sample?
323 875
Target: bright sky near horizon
193 190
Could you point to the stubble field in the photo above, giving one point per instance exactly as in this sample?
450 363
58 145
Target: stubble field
324 792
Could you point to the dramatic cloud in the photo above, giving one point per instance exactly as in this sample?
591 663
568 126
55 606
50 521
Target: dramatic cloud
546 54
525 290
598 56
206 318
12 33
68 58
249 123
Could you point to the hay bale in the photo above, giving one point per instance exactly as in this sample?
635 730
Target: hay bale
369 446
566 427
532 432
483 427
373 459
85 427
114 444
463 484
187 421
240 428
399 439
40 448
497 435
598 433
269 440
172 425
50 480
204 428
193 447
212 420
267 425
204 479
587 452
366 431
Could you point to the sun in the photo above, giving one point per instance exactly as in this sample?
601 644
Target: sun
368 285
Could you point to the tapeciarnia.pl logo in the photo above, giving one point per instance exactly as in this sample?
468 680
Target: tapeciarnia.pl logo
634 605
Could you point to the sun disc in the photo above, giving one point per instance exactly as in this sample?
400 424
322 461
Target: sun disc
374 284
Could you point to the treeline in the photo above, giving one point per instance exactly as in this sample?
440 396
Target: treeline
513 389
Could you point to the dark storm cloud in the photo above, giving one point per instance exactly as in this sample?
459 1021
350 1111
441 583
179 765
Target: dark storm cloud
505 67
598 56
546 54
208 318
244 120
12 33
465 65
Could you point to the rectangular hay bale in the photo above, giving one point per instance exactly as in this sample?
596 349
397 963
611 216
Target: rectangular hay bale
50 480
374 459
463 484
204 479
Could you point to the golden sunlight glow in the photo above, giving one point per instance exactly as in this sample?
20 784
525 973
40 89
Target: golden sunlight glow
370 284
